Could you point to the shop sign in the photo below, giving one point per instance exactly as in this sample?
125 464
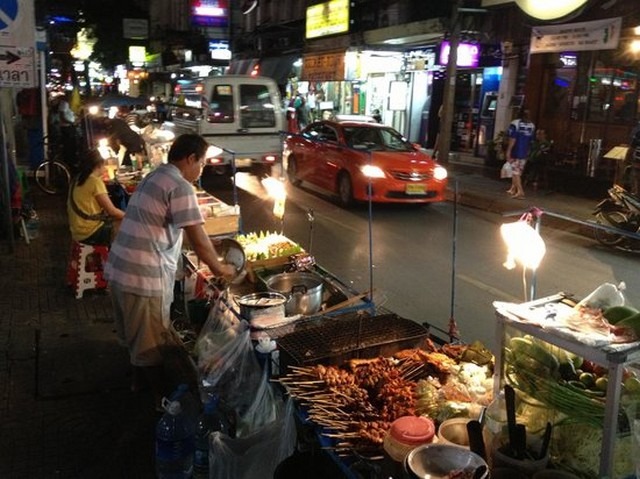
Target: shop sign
585 36
326 67
17 44
468 54
327 18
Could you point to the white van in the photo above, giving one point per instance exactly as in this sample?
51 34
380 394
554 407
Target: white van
239 113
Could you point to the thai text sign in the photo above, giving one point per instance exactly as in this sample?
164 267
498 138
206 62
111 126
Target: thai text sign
327 18
327 67
585 36
17 43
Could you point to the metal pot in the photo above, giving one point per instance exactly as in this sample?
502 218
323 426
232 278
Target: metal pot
261 304
304 291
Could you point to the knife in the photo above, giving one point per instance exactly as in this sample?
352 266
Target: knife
510 401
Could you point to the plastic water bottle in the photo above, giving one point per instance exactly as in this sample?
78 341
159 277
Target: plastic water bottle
174 443
211 420
189 403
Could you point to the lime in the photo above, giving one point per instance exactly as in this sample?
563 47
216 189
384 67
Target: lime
632 384
588 379
601 384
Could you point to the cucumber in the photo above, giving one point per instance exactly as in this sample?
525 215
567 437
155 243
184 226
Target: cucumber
526 347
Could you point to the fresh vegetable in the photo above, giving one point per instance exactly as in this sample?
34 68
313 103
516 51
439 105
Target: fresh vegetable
531 354
614 314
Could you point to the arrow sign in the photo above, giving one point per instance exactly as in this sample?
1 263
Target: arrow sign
9 57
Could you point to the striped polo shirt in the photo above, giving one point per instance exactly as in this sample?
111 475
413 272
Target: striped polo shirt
161 206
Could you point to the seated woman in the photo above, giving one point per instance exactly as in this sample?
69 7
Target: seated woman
90 210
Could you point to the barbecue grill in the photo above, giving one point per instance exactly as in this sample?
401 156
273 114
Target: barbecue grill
334 340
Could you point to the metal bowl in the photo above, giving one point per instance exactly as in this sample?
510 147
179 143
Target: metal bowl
439 460
230 252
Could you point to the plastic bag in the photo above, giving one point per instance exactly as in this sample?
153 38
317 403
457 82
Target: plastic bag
257 454
605 296
227 364
506 171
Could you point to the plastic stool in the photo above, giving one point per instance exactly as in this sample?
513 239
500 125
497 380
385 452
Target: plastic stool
85 269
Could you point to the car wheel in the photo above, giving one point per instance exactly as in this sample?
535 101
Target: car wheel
345 189
292 172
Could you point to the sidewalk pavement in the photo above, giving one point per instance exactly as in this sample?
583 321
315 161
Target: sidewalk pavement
66 410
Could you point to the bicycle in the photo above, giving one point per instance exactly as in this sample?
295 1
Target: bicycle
53 175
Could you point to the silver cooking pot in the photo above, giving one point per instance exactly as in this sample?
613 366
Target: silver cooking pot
256 305
304 291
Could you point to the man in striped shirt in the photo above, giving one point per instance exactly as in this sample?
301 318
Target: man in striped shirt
145 254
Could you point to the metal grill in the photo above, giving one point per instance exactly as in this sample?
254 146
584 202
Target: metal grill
337 339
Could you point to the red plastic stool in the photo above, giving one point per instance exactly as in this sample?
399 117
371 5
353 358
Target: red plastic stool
85 268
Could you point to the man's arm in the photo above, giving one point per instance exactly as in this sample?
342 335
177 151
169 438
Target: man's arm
203 247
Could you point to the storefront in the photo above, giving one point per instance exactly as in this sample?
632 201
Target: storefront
586 92
477 81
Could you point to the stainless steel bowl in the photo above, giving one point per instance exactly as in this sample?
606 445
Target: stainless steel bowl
230 252
439 460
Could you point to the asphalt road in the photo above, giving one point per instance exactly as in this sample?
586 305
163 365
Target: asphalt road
430 263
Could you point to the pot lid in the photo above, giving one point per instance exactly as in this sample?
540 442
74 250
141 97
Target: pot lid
413 429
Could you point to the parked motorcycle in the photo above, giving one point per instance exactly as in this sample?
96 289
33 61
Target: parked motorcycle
621 211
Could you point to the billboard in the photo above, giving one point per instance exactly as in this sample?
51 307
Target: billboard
327 18
468 54
210 13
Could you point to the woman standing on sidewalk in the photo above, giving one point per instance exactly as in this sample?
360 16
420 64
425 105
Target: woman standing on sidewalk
521 134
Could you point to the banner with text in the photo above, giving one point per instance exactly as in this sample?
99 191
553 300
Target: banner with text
585 36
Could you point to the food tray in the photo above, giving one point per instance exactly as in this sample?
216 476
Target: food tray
334 340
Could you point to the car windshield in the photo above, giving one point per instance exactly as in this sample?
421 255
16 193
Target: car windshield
375 139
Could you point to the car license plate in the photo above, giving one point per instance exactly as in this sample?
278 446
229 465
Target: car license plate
415 189
243 162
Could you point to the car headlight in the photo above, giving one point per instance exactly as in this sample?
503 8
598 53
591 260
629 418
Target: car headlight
440 173
371 171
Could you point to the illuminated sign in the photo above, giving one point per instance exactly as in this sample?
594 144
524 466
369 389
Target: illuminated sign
210 13
219 50
468 54
137 55
327 18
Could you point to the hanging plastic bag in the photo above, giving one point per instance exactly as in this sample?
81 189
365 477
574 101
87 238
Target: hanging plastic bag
506 171
605 296
269 437
227 365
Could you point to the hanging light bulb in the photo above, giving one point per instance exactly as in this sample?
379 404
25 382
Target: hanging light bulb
524 245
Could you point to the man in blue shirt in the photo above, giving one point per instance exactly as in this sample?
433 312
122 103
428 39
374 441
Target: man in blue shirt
521 134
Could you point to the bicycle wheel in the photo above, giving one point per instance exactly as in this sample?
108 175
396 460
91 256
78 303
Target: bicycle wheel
53 177
614 219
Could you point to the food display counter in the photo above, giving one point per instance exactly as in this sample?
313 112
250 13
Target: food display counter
582 382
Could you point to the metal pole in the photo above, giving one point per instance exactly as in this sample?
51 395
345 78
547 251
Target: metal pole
537 219
369 192
454 334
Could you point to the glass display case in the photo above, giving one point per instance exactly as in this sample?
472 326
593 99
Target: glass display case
587 388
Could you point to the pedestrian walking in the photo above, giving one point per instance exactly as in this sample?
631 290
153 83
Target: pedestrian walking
144 258
521 134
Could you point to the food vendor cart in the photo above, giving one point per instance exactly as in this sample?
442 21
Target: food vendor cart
600 408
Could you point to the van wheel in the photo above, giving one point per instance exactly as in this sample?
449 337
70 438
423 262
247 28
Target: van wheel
292 172
345 190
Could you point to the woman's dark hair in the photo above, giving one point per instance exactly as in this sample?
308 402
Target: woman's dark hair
186 145
88 164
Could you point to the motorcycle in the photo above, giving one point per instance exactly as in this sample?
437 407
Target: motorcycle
621 211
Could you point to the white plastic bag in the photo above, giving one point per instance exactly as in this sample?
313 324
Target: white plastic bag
506 171
605 296
257 454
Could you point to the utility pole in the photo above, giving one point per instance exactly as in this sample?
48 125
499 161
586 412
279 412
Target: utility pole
446 122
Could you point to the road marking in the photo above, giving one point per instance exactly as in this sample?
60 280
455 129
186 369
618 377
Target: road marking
499 294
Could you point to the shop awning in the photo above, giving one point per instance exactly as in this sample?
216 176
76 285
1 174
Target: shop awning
278 68
242 67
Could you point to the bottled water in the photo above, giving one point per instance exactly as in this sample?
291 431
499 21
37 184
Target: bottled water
174 443
210 420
